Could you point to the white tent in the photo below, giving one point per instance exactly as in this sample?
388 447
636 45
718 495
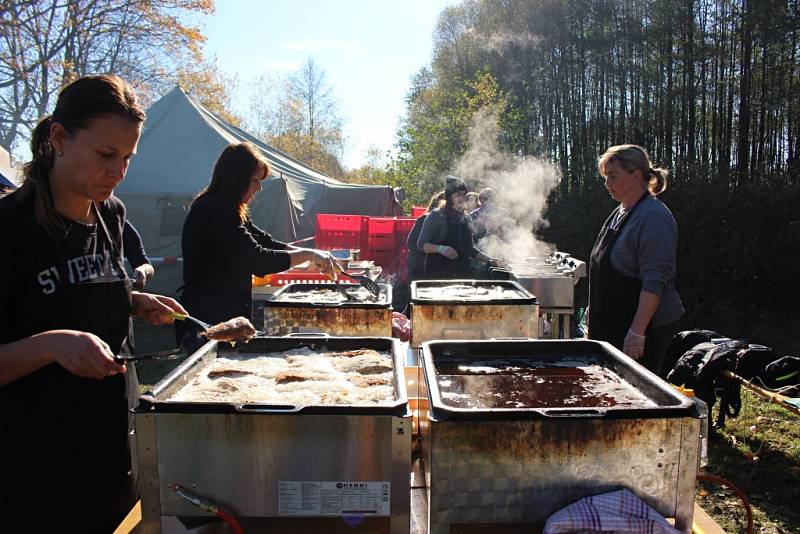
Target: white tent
180 143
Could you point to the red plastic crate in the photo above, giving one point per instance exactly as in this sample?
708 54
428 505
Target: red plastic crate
341 231
418 211
386 258
404 226
382 232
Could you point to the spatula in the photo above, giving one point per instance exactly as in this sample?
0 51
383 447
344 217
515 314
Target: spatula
180 317
366 282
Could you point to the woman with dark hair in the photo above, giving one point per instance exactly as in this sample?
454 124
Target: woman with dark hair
415 266
415 262
65 308
633 303
446 236
223 249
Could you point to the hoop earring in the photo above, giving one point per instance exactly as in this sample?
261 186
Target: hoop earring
60 153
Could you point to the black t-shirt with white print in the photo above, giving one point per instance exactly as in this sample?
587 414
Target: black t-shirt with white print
36 265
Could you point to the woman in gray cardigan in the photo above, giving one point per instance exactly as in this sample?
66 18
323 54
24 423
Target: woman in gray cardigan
633 303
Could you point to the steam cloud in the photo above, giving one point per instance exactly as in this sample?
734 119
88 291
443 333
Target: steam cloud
521 185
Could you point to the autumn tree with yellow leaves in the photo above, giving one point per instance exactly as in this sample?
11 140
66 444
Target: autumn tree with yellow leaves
45 44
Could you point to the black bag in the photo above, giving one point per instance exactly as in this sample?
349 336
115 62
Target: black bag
700 367
752 359
683 342
781 373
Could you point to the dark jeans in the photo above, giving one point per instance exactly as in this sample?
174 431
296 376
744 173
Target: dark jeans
658 339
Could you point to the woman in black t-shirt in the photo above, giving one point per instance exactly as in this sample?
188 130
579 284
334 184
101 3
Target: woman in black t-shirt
65 308
223 249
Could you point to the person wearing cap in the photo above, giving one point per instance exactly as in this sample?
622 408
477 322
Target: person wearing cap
446 236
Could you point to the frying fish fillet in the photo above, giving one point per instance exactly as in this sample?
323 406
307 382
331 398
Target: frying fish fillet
238 329
364 364
298 376
384 379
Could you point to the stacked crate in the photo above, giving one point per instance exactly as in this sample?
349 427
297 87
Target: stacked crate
341 231
380 239
382 243
404 226
418 211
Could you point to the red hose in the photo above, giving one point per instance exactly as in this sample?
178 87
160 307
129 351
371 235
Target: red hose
747 508
231 521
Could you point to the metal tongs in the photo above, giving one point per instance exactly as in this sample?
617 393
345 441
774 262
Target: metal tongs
366 282
170 354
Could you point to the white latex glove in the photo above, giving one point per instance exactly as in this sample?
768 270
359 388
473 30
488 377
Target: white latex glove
448 252
323 261
633 345
498 263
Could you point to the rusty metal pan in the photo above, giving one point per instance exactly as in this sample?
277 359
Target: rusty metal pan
386 293
155 400
524 298
662 399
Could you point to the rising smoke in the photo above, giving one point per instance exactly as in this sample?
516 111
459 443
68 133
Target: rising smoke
521 185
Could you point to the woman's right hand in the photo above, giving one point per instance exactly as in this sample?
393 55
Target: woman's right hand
83 354
324 262
448 252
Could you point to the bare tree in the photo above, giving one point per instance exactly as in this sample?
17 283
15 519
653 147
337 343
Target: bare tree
301 104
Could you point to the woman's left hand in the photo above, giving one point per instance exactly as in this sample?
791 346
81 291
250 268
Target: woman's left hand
142 274
498 263
633 345
155 309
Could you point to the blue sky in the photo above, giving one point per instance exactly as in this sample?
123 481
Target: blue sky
369 51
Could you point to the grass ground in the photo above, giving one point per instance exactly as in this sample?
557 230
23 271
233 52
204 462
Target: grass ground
759 451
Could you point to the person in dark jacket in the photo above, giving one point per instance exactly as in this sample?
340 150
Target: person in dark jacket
633 303
446 237
65 309
143 270
415 263
223 249
416 259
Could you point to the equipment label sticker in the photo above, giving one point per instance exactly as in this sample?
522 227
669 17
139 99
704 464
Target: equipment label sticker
333 498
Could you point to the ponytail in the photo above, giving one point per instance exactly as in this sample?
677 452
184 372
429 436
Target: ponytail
37 178
657 183
635 158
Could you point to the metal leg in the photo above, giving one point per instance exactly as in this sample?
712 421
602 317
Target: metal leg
148 474
400 521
